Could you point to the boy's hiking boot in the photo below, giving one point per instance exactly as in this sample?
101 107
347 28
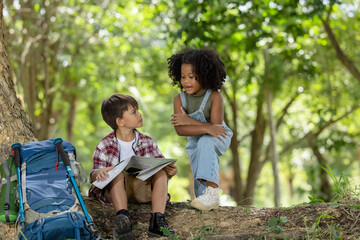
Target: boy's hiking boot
157 222
122 226
208 200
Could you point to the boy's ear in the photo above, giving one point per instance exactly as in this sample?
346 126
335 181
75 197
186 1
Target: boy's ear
119 122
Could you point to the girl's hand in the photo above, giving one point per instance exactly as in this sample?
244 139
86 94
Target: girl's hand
102 174
179 119
171 169
217 130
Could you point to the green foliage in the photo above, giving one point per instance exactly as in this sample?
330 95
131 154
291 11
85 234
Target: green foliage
168 234
202 232
276 225
316 224
342 185
313 231
336 233
313 199
78 53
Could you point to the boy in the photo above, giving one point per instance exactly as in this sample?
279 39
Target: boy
121 113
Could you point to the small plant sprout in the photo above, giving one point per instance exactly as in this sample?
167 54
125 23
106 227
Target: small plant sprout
276 225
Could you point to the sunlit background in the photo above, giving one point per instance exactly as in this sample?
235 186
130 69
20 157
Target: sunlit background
68 56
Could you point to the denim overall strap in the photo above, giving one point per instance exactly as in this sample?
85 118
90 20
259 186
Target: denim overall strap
204 152
205 99
183 102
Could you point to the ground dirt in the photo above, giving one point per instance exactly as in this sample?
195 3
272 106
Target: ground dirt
311 221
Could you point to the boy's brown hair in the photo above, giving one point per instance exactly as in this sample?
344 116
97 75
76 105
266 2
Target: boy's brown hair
114 107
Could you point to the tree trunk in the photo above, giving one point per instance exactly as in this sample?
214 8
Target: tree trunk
14 124
257 141
27 79
291 182
38 64
28 70
234 151
237 168
272 126
358 155
71 117
274 155
191 183
325 186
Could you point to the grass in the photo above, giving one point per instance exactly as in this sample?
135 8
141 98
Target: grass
203 232
342 187
343 193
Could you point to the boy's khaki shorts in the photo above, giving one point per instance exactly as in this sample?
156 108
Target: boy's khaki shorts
137 191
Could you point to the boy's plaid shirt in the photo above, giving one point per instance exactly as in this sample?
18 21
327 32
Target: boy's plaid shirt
107 152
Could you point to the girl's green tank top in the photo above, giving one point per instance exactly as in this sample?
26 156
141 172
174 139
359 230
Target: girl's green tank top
193 102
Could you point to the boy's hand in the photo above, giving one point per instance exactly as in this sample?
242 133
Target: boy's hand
178 119
102 173
171 169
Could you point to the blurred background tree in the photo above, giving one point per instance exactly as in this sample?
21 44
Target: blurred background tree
291 96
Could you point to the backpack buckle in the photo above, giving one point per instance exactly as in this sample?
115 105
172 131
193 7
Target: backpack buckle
6 206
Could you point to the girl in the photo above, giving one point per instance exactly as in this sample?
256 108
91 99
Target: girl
198 114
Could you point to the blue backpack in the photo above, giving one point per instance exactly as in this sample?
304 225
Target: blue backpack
51 206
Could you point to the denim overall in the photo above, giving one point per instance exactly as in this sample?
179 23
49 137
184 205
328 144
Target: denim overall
205 150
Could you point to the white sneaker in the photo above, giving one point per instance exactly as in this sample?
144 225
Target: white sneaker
208 200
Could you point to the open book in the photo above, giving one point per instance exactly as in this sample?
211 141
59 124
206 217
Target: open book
141 167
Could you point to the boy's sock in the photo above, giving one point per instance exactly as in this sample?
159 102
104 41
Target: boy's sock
157 222
122 225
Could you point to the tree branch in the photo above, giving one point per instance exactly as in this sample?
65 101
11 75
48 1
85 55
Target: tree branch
279 122
285 110
348 63
329 13
244 137
321 129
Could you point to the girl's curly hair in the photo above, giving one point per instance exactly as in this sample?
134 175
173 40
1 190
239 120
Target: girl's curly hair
208 67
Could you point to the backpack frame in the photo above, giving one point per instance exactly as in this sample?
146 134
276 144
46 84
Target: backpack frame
51 206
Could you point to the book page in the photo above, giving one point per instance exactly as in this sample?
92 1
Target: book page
141 163
145 167
146 173
141 167
113 173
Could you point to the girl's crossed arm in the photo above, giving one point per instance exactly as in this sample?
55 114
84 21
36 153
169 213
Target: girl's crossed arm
186 126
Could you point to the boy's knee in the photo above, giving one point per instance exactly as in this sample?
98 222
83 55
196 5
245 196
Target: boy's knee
119 179
160 175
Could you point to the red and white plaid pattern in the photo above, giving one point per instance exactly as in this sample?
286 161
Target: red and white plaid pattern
107 152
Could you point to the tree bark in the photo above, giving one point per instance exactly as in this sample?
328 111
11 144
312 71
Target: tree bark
191 182
274 155
27 71
38 64
14 124
272 127
345 60
257 140
234 150
71 117
325 186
